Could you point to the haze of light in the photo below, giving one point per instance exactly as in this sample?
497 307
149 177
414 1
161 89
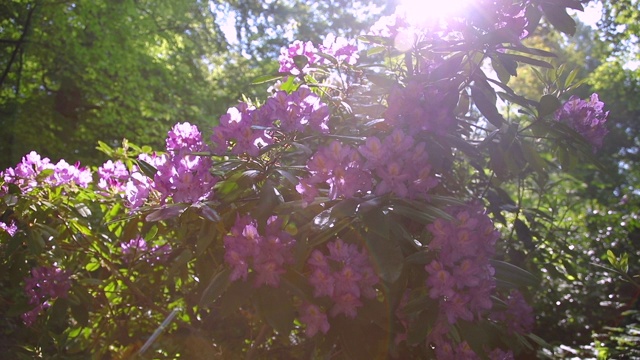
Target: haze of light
421 11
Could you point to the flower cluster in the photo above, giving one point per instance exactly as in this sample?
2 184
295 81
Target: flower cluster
45 283
345 275
181 175
502 16
461 276
139 186
341 167
265 255
289 55
113 176
418 108
387 161
245 129
29 173
518 316
343 50
300 56
10 228
400 164
138 249
314 318
236 132
586 117
296 112
389 26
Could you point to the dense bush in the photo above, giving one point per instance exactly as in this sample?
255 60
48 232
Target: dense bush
355 213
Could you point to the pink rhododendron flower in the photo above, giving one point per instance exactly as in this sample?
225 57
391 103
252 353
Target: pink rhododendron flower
46 283
586 117
345 276
298 48
183 175
343 50
461 277
27 174
113 176
314 319
10 228
265 254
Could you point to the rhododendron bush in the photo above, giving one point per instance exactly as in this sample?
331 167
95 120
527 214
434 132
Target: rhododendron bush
355 212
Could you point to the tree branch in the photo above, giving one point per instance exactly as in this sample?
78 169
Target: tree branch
19 43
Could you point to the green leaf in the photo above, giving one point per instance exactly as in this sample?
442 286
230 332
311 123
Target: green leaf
535 161
237 294
269 199
35 241
329 232
300 61
329 57
92 266
83 210
487 105
353 337
376 50
420 258
80 314
513 274
218 285
289 176
276 307
624 263
290 85
209 213
167 212
503 74
548 105
297 284
558 17
419 329
105 148
382 81
180 262
527 60
147 169
384 249
345 208
613 260
524 233
267 78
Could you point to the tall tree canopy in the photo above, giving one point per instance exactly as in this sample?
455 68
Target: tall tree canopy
74 72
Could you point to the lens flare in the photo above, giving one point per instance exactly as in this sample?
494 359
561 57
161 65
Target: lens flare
428 11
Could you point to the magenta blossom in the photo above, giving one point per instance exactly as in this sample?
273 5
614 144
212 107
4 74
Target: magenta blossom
586 117
314 319
518 316
113 176
461 277
46 283
183 173
343 50
345 276
246 250
297 50
10 228
29 173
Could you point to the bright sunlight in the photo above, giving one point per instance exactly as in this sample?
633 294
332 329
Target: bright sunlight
420 11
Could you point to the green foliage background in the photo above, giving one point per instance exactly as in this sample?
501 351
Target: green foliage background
74 72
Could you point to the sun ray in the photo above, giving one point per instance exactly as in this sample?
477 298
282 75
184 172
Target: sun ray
429 11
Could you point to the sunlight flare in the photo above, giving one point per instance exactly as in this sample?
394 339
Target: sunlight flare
428 11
